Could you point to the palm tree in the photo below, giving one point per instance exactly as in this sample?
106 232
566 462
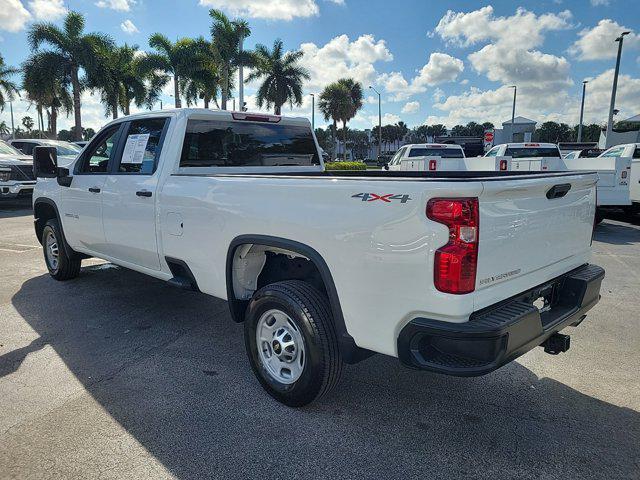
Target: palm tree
4 129
122 80
27 122
170 59
47 86
202 81
7 87
74 50
341 101
282 76
227 37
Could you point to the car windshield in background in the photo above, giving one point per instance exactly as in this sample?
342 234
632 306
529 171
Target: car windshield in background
65 148
210 143
436 152
532 152
6 149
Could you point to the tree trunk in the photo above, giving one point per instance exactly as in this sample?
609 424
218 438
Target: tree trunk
224 93
114 109
278 110
75 84
344 137
334 134
176 90
206 101
127 107
54 122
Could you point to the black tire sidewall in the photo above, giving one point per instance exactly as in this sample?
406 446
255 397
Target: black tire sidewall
306 388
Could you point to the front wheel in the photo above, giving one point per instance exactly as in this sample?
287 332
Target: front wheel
291 342
60 265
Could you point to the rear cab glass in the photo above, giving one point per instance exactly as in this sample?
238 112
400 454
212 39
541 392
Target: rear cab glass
526 152
244 145
436 152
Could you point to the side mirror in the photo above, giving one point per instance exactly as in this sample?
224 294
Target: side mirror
45 162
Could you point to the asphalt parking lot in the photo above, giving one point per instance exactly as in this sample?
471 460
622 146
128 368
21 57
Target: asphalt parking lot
117 375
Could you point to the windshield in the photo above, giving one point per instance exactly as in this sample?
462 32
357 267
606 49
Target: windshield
64 148
214 143
6 149
527 152
436 152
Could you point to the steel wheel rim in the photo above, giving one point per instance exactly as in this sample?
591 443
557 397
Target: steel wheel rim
51 251
280 346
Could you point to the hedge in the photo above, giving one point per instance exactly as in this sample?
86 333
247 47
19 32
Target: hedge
345 166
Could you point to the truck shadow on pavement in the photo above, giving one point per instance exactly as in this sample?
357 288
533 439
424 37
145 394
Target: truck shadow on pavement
169 366
15 208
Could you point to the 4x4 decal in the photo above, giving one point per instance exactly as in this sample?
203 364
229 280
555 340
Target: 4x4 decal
384 197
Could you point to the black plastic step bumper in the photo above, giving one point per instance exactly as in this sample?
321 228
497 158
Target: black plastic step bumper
500 333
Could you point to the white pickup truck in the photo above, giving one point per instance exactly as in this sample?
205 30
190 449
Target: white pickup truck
629 153
456 273
16 173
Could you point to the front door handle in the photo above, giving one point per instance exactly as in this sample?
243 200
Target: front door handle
143 193
94 190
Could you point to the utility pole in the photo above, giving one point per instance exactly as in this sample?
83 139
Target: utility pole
608 140
313 112
584 88
379 121
13 130
513 111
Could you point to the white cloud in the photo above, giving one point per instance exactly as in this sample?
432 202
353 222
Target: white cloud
337 2
597 43
268 9
411 107
13 16
47 9
439 69
119 5
524 29
438 95
597 3
464 82
387 119
342 58
128 27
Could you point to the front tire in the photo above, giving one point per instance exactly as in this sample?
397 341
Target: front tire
291 342
60 265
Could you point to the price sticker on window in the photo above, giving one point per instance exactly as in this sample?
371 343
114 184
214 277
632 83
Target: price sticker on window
135 148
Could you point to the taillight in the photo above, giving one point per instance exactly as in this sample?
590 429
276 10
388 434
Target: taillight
432 164
456 262
503 165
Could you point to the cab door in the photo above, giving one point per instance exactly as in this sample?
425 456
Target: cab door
130 194
81 206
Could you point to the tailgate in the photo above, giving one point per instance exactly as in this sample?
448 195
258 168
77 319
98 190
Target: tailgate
525 235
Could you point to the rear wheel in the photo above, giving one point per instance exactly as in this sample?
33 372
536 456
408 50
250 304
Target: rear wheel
60 265
291 342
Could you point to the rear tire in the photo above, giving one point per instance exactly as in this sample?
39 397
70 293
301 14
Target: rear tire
291 342
60 265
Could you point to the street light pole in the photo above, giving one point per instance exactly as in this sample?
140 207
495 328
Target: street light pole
513 111
313 112
608 140
379 121
240 80
13 130
584 88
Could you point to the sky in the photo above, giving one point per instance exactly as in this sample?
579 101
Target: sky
447 62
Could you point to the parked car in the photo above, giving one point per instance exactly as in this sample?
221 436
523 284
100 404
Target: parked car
525 150
629 151
449 272
584 153
16 173
66 151
423 156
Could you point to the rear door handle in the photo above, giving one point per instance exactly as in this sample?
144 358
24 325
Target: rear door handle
144 193
558 191
94 190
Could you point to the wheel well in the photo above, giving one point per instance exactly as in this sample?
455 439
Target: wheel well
43 212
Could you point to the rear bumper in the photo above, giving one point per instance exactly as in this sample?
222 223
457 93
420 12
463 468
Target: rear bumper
498 334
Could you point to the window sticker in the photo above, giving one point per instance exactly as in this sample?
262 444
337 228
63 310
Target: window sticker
135 148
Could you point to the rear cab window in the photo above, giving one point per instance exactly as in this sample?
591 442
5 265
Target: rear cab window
526 152
243 145
613 152
436 152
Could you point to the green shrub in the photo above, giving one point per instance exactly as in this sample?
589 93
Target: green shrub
345 166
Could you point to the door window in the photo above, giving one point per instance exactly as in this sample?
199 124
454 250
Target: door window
613 152
142 146
24 147
636 153
98 153
493 152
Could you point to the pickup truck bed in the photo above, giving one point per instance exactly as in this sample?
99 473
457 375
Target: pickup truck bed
325 267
